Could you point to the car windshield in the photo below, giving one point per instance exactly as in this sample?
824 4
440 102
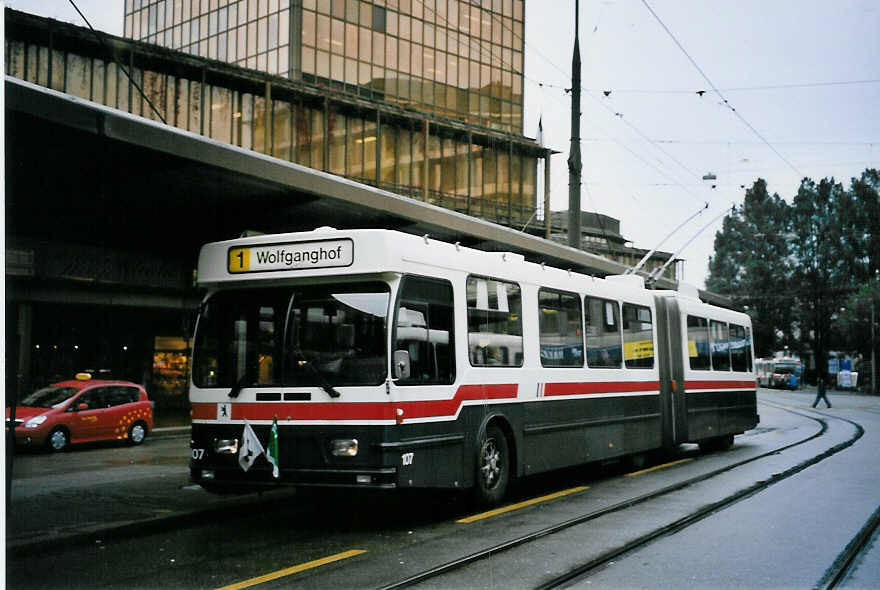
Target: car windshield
309 336
49 397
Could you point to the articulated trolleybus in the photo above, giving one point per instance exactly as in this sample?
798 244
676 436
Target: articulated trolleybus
377 359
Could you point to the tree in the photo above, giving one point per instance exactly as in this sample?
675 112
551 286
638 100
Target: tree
750 264
864 215
809 272
829 254
857 324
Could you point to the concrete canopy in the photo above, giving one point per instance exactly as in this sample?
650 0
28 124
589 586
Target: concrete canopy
80 171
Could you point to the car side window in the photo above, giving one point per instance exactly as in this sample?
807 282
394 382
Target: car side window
94 399
117 396
133 394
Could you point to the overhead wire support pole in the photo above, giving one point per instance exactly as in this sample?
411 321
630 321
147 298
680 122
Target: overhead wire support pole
650 253
574 156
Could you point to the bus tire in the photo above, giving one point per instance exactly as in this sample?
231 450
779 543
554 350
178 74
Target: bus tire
718 443
493 467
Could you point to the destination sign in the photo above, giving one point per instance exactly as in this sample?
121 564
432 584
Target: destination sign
291 256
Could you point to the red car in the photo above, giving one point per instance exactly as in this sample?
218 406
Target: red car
83 410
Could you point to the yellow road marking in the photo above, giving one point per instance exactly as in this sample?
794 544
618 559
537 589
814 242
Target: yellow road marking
656 467
293 570
512 507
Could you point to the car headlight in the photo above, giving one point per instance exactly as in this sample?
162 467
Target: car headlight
35 421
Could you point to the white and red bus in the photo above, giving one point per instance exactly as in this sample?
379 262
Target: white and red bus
389 360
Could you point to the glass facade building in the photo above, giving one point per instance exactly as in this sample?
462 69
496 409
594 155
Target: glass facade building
457 58
254 35
420 97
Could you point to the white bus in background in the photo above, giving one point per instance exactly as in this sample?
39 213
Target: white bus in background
777 373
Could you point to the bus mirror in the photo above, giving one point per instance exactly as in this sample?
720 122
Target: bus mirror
401 364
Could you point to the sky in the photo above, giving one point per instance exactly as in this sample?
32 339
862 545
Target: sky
792 90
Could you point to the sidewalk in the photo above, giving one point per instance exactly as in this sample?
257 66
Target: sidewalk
143 495
811 390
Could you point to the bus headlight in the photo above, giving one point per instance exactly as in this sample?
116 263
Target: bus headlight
344 447
225 446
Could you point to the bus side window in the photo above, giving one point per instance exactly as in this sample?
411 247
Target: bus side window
738 349
720 346
494 315
602 320
561 329
749 348
698 343
424 327
638 337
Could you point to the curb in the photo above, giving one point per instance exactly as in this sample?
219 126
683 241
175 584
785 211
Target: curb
170 431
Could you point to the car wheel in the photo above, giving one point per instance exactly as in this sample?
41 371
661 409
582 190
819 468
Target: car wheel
58 440
493 467
137 433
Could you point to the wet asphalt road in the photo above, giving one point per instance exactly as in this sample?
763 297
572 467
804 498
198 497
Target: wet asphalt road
116 516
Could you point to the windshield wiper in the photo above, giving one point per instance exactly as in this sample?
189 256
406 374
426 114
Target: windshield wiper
239 385
323 382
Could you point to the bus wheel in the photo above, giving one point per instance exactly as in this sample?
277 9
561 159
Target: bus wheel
493 467
718 443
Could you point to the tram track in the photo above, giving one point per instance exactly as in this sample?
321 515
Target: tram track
843 565
670 528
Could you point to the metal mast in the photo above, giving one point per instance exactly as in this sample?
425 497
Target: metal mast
574 154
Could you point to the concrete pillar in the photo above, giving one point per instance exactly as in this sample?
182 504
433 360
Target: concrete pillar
267 121
25 346
426 165
547 194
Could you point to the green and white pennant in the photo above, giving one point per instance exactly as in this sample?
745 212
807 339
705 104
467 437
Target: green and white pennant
251 448
272 448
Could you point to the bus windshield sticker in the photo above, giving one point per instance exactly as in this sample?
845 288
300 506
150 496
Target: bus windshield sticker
291 256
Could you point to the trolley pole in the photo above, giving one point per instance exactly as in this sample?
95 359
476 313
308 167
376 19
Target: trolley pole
574 154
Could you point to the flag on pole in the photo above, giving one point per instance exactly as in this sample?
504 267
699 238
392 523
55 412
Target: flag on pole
272 448
250 447
540 138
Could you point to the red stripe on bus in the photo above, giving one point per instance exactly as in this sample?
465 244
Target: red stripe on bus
343 410
720 385
600 387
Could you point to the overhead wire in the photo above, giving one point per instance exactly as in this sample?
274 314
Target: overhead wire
633 153
717 91
485 53
116 61
732 89
655 143
617 115
643 136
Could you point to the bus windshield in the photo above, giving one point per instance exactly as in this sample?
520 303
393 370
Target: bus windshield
319 335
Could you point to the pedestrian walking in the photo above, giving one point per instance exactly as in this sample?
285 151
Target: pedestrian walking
820 393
